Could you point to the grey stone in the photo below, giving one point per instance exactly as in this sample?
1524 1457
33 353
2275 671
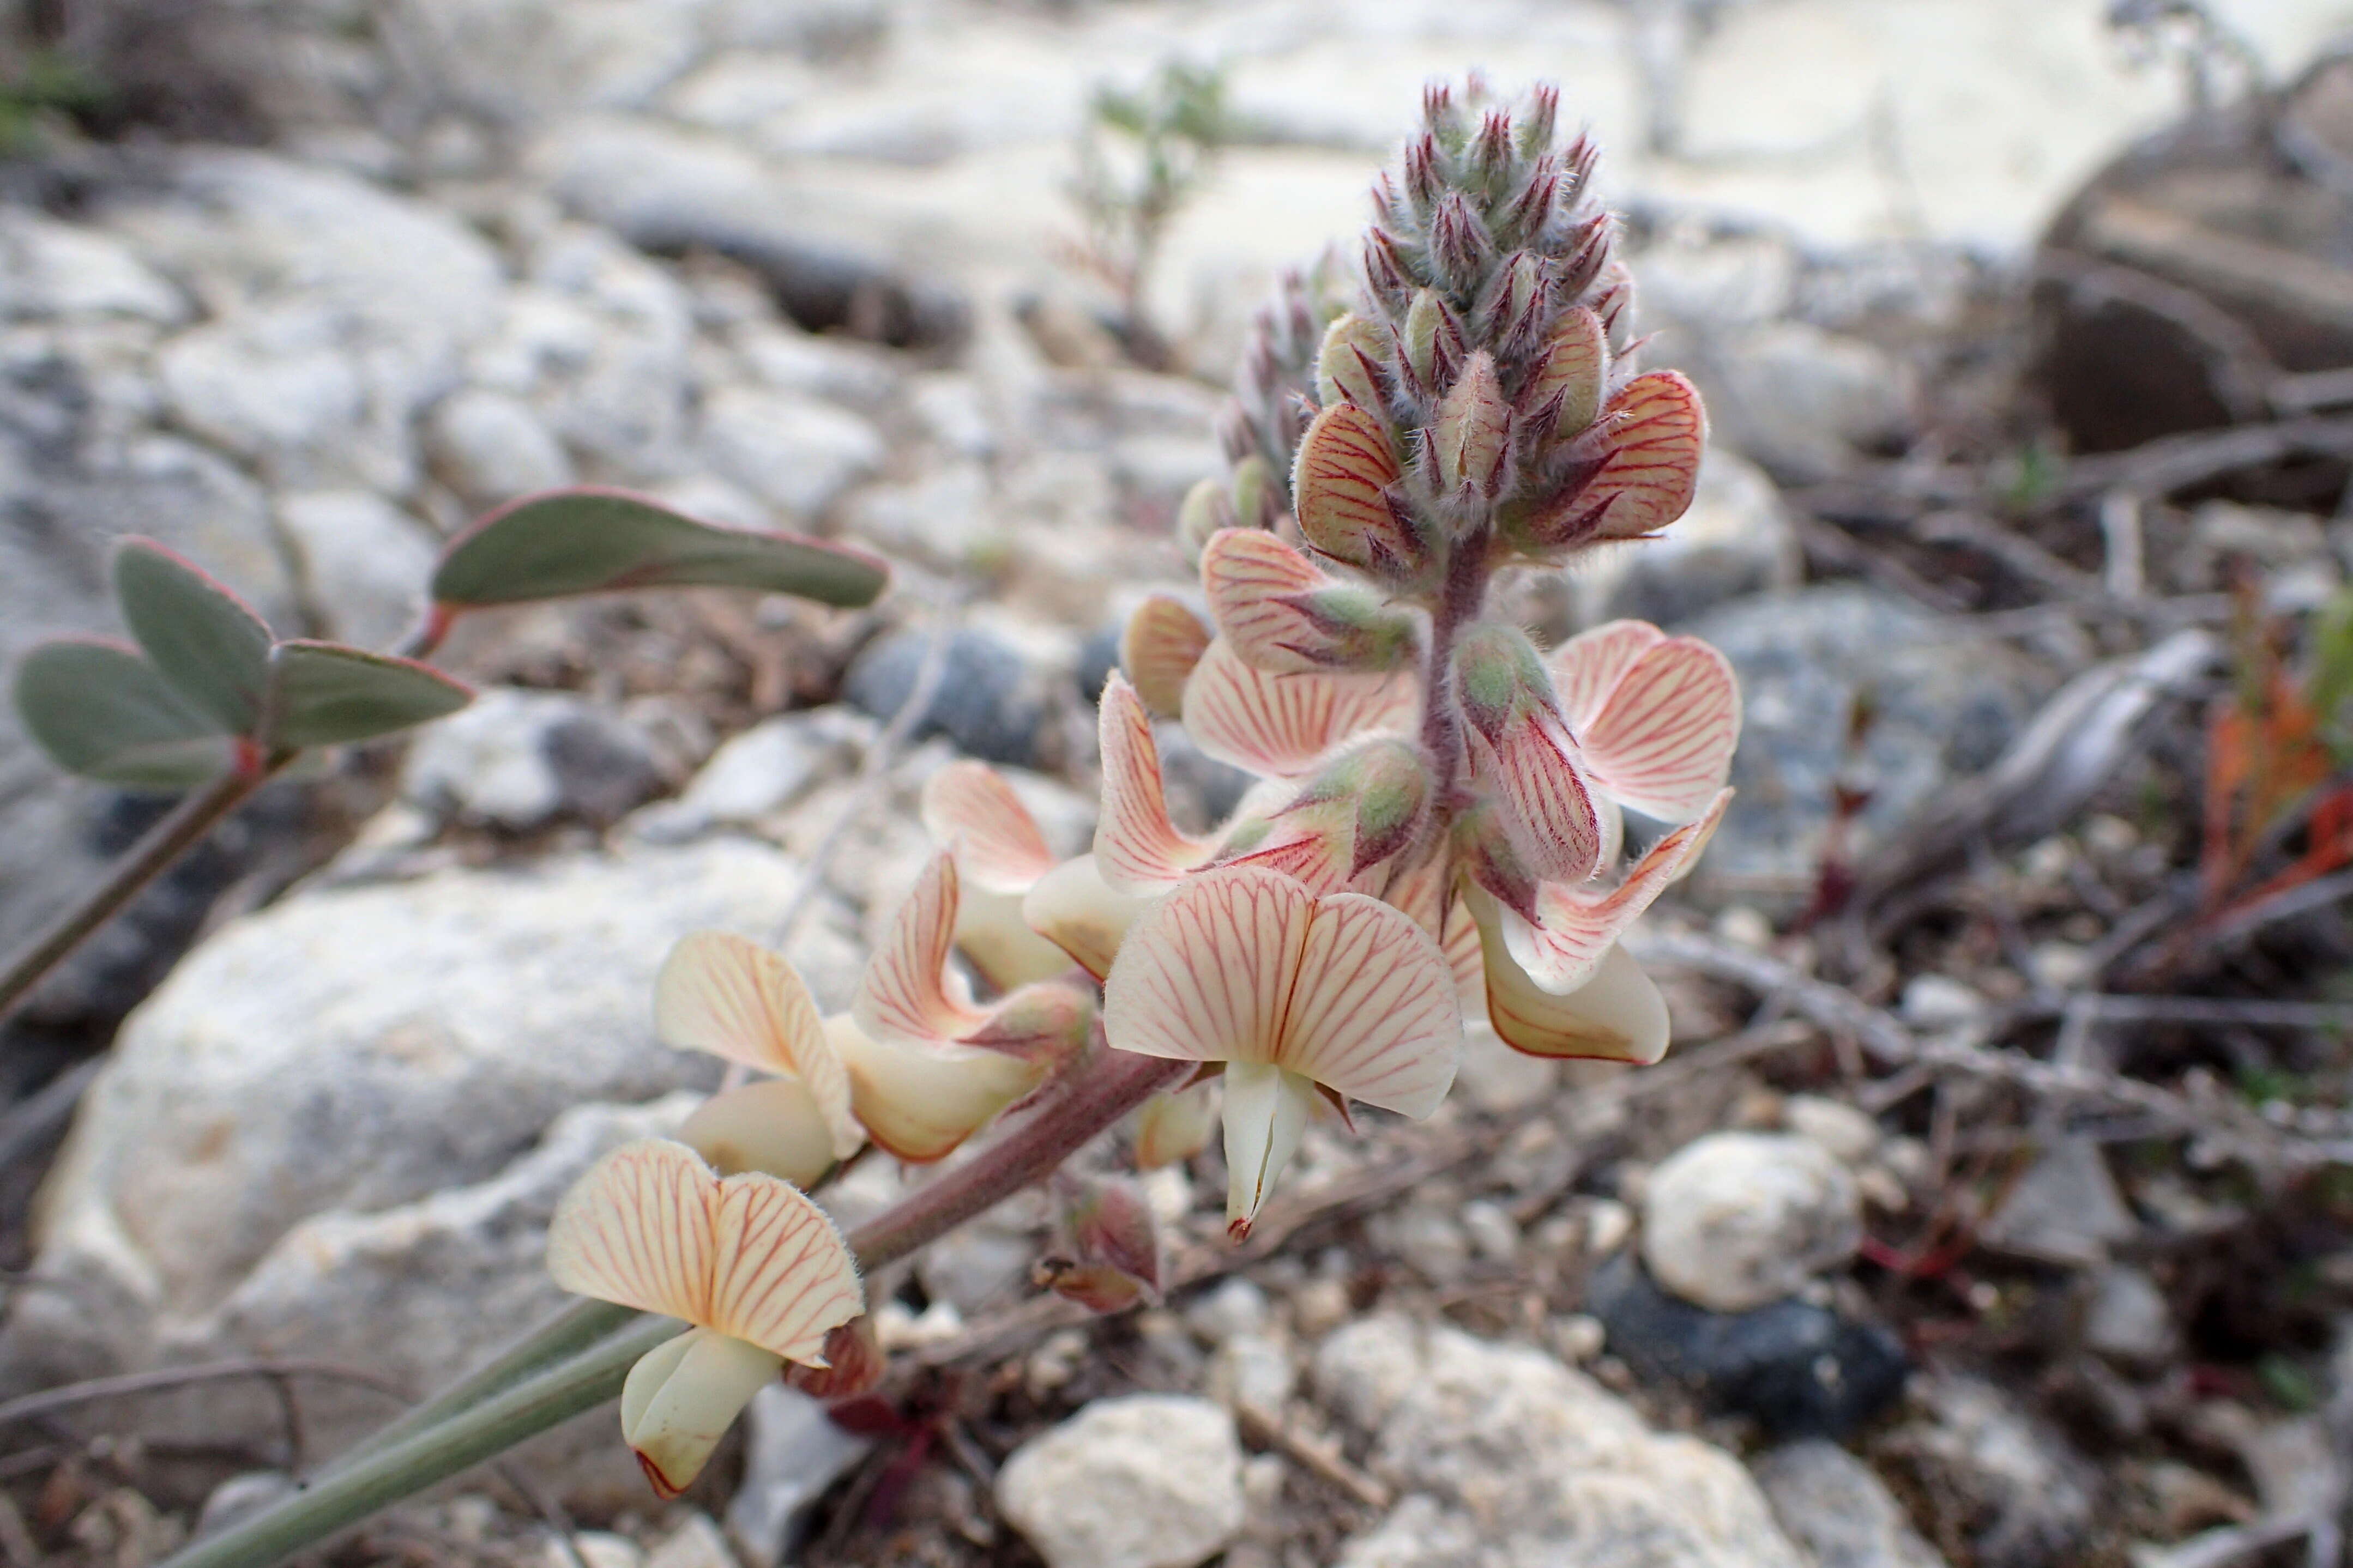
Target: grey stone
1149 1480
49 268
1943 705
987 699
2065 1208
793 1451
695 1543
2127 1317
797 453
760 772
341 312
1805 402
1834 1506
1735 1220
365 563
1796 1368
1521 1461
1735 540
2028 1498
363 1054
669 190
1847 1132
518 759
492 446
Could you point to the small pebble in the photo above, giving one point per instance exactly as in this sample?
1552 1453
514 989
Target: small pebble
1578 1337
1319 1306
1493 1233
1608 1224
1848 1133
1745 927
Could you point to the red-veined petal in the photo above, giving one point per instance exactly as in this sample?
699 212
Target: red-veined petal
1576 928
997 845
907 992
783 1278
1162 643
1247 572
1137 849
1243 964
637 1230
1339 489
1655 431
1663 741
1283 725
1616 1016
1530 770
651 1226
738 1001
1588 667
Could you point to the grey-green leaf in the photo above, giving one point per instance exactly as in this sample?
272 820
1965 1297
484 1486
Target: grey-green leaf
101 711
329 694
588 540
203 639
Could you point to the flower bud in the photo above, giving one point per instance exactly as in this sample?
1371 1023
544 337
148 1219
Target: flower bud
1460 248
855 1364
1347 368
1383 791
1484 847
1565 394
1616 305
1254 500
1522 755
1473 431
1175 1124
1112 1259
1648 444
1515 307
1341 491
1432 344
1282 613
1208 507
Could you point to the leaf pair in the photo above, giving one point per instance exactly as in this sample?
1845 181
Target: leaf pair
210 686
207 687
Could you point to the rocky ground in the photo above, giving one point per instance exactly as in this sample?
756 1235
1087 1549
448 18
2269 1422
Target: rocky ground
1980 1216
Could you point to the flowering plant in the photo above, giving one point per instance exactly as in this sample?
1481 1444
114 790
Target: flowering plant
1435 840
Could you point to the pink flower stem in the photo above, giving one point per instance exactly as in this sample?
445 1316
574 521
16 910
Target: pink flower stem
1091 1100
1461 598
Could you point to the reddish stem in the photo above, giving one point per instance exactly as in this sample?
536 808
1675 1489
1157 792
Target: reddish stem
1091 1100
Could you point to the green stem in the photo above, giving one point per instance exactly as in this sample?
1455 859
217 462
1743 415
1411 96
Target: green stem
484 1415
174 836
576 1328
406 1467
